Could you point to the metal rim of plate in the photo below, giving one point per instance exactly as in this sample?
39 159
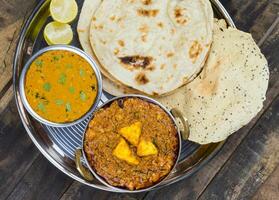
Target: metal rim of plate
59 144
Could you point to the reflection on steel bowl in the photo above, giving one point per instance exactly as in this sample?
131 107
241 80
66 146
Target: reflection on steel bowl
60 85
132 143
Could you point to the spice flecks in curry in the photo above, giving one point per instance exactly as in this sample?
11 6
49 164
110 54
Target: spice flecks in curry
60 86
131 143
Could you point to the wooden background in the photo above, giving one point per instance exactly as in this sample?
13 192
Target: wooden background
246 168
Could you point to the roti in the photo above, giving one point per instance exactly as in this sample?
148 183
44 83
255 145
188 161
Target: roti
230 90
152 46
87 11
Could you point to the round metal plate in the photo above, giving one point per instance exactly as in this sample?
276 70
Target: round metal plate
58 145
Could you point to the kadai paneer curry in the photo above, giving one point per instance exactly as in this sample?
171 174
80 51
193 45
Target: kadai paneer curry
131 143
60 86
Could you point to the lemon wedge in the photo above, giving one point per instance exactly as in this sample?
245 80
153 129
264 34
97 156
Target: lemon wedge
63 11
58 33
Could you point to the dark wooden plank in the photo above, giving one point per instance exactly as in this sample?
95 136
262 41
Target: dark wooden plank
17 152
193 187
252 16
42 181
251 164
12 14
270 189
79 191
16 149
13 10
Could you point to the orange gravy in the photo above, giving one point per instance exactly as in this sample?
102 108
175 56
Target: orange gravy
60 86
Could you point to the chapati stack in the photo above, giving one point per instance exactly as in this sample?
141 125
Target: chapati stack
173 50
153 47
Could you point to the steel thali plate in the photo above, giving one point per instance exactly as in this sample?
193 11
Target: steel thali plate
59 144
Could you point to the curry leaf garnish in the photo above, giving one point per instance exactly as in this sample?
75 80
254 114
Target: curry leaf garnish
82 96
81 72
62 79
68 107
41 107
47 87
39 63
59 102
72 90
69 65
56 58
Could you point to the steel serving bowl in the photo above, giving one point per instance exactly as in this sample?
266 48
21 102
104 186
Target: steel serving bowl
64 48
181 134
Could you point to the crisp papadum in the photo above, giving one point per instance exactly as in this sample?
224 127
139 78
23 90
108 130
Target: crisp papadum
230 90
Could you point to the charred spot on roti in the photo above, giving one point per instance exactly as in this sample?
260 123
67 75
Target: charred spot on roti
112 18
94 18
195 50
150 67
141 78
146 2
98 27
179 15
170 77
136 61
147 13
143 38
144 28
116 51
170 54
160 24
121 43
177 12
119 19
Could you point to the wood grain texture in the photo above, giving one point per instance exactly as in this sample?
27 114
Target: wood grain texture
17 152
12 15
270 189
79 191
13 10
248 14
42 181
251 164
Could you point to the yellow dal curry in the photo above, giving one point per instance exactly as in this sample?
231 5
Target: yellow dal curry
60 86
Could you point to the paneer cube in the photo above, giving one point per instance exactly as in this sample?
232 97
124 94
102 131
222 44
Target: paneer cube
146 148
132 133
123 152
